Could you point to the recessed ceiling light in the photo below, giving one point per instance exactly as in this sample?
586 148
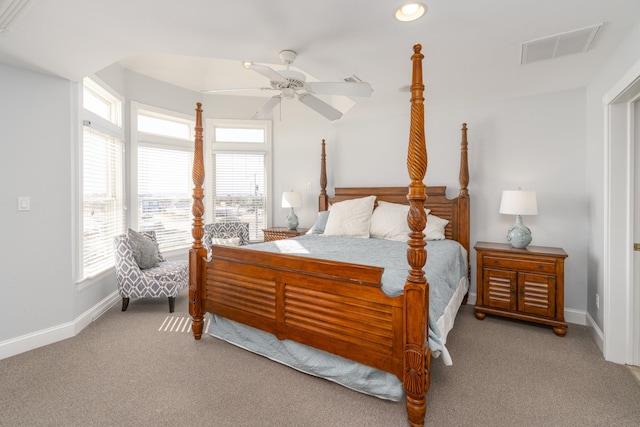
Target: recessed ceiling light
410 12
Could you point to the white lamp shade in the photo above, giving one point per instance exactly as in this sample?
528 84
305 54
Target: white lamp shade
519 203
291 199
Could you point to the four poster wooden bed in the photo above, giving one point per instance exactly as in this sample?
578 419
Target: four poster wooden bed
336 306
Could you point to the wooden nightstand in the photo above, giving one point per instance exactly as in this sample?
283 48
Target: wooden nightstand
525 284
279 233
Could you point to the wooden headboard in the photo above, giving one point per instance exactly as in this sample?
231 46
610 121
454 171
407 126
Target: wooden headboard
455 210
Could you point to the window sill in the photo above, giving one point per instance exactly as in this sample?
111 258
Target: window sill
90 281
176 254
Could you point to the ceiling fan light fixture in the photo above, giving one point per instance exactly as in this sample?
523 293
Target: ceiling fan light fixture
410 12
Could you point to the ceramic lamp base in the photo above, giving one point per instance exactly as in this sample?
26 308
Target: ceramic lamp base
292 220
519 235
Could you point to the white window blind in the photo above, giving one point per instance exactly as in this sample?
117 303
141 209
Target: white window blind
102 199
239 190
164 194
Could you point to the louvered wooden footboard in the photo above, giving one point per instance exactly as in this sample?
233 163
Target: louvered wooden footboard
336 307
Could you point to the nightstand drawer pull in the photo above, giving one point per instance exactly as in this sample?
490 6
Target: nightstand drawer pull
542 266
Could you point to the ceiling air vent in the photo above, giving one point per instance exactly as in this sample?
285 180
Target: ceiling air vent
9 11
576 41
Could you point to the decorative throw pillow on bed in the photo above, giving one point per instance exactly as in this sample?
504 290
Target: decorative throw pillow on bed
389 221
350 218
145 249
435 228
321 223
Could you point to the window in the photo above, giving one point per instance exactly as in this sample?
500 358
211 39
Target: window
163 126
164 155
102 103
239 176
239 193
102 178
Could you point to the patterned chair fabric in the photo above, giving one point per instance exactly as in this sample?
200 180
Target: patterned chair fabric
226 230
165 280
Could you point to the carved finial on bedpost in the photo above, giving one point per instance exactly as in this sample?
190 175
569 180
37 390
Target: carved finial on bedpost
416 289
197 251
464 163
323 202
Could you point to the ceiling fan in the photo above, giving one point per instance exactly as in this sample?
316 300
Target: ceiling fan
291 84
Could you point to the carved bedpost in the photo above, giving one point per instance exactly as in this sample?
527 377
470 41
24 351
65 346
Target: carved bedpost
323 202
197 251
416 289
464 163
463 199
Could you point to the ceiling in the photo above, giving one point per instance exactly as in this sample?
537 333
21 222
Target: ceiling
472 49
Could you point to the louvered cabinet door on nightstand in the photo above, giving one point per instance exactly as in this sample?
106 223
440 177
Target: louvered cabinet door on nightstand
525 284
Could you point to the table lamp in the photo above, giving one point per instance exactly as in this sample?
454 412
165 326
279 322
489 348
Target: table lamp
519 203
292 199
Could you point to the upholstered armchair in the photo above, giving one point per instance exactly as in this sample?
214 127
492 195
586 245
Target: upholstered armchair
142 271
230 233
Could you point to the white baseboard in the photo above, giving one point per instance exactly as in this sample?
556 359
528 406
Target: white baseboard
56 333
576 317
596 333
471 299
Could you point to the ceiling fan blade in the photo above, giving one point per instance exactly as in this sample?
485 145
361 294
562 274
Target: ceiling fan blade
340 88
320 106
236 89
268 72
264 111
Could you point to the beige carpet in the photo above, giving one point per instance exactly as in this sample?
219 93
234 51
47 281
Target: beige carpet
127 369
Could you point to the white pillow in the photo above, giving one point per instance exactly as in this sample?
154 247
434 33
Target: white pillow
350 218
435 228
389 221
231 241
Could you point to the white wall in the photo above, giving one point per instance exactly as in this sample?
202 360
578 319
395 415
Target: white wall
536 142
36 281
620 61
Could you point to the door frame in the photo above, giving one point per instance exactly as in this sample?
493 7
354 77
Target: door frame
620 299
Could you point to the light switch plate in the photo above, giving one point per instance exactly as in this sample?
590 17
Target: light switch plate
24 203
